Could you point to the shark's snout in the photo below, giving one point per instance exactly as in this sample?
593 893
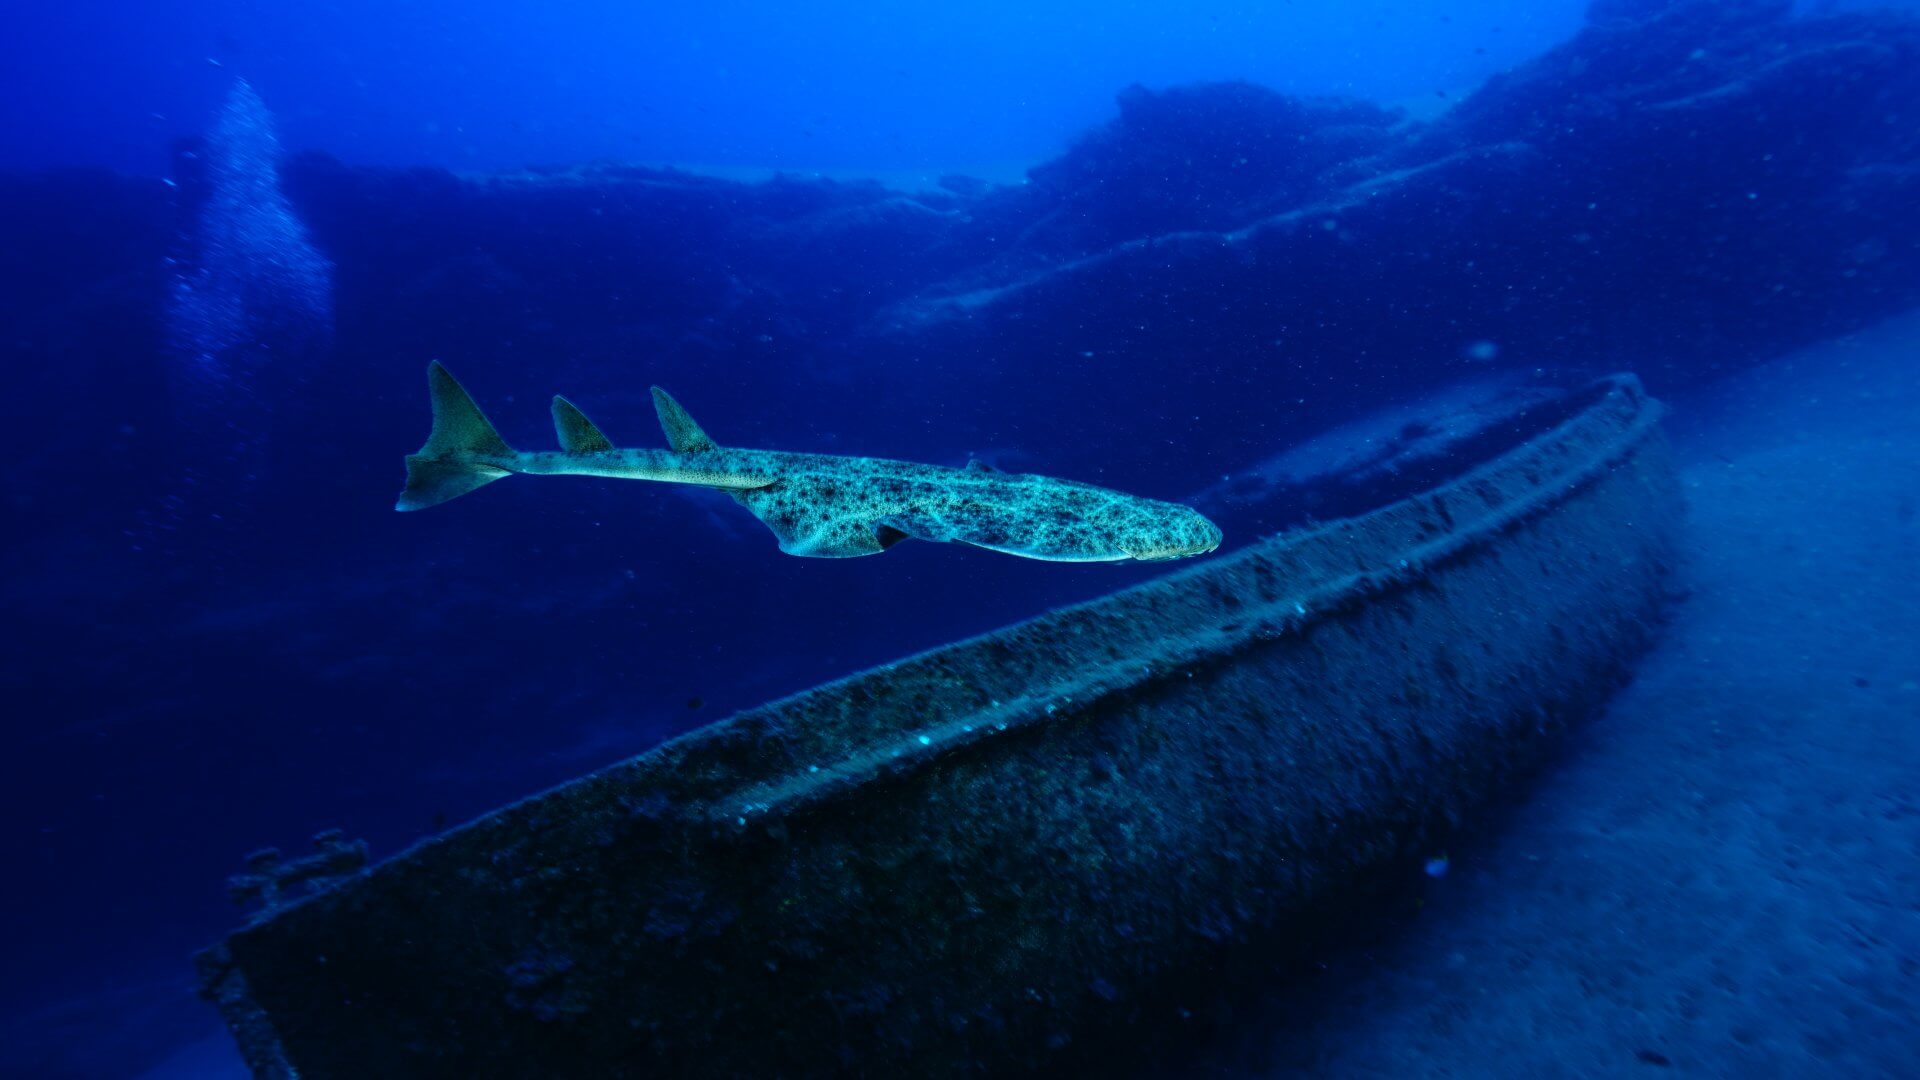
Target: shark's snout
1188 535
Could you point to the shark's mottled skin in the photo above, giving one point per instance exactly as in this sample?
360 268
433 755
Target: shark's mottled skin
817 505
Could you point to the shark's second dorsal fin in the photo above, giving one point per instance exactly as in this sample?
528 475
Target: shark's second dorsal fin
683 435
578 435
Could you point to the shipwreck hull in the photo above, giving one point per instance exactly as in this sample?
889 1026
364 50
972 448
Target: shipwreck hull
969 858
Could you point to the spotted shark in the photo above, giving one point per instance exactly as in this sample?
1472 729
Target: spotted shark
818 505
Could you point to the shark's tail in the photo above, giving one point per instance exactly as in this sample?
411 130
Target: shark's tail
446 467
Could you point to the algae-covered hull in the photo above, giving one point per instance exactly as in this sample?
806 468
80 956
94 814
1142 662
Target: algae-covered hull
966 859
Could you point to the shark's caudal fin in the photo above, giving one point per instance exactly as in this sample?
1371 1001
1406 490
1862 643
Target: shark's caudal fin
578 435
683 434
445 467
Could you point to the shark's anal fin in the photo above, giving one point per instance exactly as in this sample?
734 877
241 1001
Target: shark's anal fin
578 435
683 435
889 536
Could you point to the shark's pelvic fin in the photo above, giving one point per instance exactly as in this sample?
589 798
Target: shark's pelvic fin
445 467
578 435
683 435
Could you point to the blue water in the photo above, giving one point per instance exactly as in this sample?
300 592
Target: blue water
832 86
1216 254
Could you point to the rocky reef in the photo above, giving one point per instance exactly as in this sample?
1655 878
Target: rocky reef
1679 182
1679 186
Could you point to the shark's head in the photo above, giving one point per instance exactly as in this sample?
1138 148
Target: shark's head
1171 532
1063 522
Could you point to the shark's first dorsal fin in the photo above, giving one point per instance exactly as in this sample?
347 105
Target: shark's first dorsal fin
577 434
976 465
683 435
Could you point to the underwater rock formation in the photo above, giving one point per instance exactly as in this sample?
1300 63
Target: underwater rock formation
1528 216
1229 228
1213 242
1203 157
249 281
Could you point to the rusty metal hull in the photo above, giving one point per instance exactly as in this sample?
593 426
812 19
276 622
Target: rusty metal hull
966 859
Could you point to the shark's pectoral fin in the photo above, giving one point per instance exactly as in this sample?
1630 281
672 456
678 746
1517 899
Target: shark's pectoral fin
805 528
833 544
1048 556
830 540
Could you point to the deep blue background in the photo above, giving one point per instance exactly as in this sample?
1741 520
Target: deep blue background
220 636
838 85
